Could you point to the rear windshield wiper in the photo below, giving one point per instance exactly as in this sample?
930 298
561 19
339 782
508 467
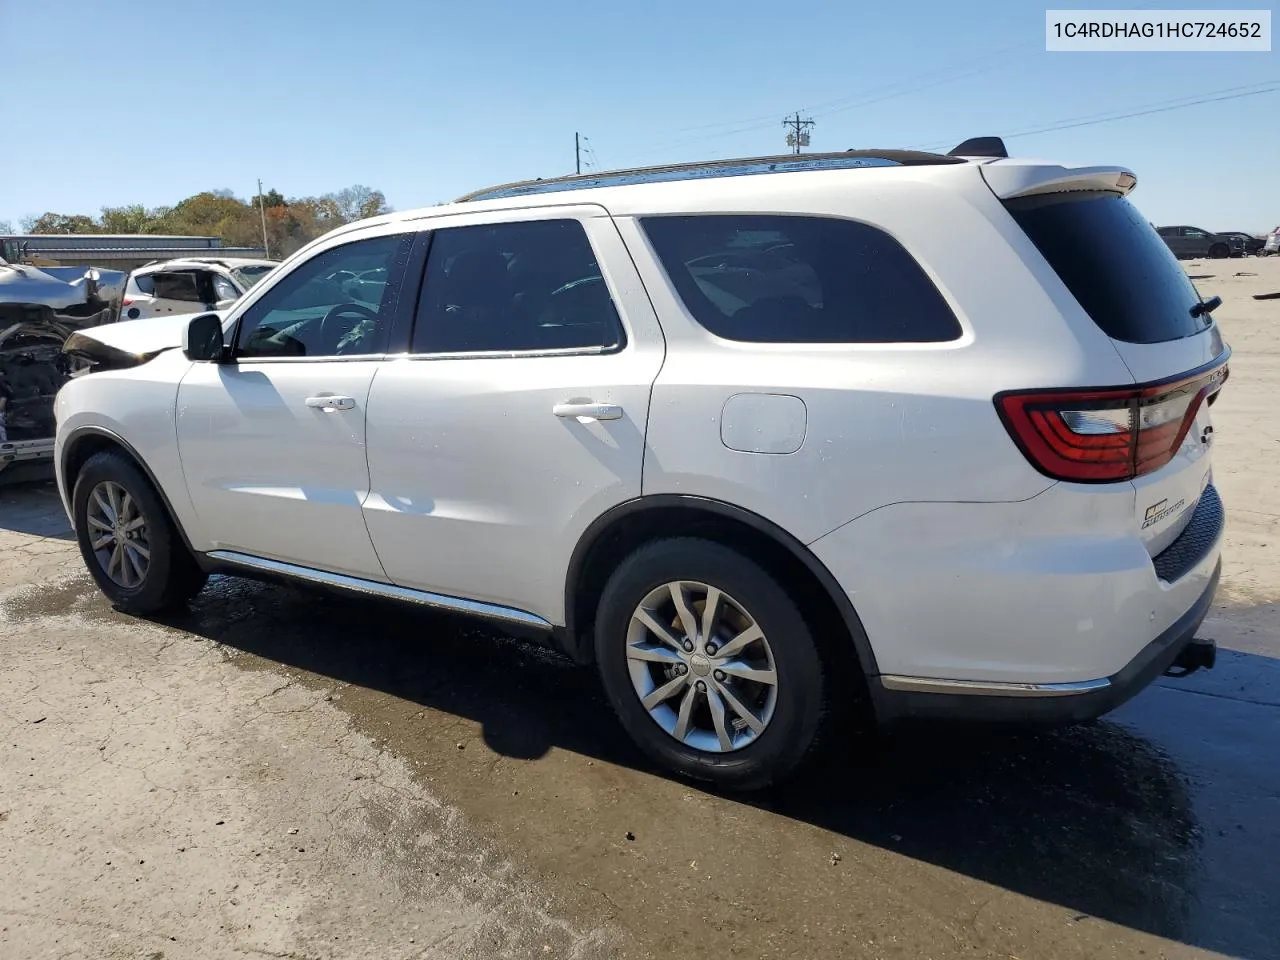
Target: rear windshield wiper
1206 306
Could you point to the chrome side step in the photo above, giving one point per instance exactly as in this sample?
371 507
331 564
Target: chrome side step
372 588
991 688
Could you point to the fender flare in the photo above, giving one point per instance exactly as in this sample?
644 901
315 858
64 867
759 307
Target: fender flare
68 483
769 529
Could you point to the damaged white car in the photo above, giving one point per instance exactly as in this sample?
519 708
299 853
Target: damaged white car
40 307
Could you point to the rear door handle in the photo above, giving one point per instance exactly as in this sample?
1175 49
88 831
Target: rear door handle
331 403
588 411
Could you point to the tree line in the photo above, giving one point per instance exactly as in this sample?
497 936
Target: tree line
290 223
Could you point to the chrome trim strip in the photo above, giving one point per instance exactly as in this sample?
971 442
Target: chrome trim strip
477 608
991 688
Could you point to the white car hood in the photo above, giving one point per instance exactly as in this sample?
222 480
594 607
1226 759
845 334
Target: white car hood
131 342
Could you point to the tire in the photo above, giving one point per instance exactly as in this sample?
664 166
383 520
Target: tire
1219 251
792 715
170 576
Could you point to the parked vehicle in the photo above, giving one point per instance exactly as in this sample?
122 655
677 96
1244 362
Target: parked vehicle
194 283
39 309
1190 243
1251 243
767 439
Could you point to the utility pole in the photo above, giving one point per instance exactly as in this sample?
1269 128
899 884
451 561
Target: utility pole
798 135
262 209
577 152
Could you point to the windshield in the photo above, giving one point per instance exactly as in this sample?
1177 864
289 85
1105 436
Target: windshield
248 276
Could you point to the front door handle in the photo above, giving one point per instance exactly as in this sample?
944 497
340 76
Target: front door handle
331 403
588 411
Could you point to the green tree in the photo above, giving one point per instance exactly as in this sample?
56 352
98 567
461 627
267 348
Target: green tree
272 198
63 223
134 218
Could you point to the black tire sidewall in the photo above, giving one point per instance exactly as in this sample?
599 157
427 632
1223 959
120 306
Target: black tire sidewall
800 706
155 590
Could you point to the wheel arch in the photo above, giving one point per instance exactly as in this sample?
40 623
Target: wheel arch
86 441
629 525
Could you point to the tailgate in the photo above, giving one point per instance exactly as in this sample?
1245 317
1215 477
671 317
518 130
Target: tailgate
1168 497
1131 286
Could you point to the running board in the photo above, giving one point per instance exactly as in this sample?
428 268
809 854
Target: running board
372 588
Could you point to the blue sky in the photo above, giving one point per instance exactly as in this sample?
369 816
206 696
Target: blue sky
110 102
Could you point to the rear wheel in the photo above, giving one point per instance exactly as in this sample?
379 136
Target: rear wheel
128 540
709 665
1219 251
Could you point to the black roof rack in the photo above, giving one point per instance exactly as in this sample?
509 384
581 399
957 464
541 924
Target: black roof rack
980 147
787 163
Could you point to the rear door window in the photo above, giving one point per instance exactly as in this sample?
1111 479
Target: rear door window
1114 264
797 279
178 285
514 287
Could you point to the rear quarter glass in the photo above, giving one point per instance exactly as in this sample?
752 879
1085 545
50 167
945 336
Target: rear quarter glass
799 279
1114 263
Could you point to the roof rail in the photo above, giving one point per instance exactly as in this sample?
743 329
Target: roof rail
787 163
980 147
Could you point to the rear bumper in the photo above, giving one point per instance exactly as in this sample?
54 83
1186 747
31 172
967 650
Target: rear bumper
908 698
1053 598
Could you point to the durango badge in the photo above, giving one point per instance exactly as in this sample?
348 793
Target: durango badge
1159 511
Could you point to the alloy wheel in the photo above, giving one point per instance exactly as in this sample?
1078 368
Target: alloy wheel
118 534
701 666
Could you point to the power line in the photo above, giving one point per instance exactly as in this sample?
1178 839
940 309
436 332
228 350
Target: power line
1160 106
871 95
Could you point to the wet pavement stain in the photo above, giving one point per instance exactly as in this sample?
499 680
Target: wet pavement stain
1163 819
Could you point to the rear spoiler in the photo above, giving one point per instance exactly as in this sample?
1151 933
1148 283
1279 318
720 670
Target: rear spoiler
1026 178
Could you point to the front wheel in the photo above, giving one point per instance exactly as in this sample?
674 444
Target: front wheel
709 665
127 539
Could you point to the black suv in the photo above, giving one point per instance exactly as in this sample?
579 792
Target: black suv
1189 243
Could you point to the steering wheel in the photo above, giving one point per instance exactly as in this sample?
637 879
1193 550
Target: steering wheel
332 332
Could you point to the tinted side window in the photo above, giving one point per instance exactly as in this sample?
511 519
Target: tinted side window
146 284
514 287
325 307
792 279
179 285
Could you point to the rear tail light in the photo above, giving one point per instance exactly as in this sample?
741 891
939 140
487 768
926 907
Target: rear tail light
1107 435
125 302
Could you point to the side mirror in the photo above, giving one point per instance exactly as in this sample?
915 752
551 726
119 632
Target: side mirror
203 339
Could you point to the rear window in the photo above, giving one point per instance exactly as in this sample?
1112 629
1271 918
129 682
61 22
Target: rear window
1117 267
795 279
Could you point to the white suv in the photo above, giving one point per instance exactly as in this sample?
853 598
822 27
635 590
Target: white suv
923 434
193 283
